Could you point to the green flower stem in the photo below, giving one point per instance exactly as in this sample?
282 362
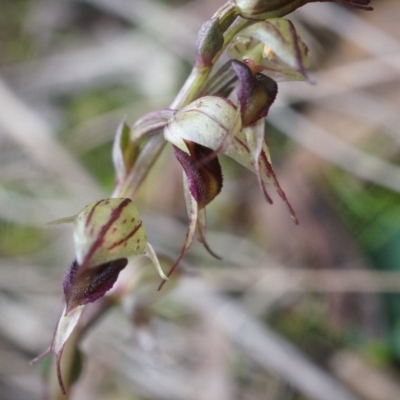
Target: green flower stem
137 175
191 87
198 76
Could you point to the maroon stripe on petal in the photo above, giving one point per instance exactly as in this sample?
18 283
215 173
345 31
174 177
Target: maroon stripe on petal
89 218
126 238
244 145
115 214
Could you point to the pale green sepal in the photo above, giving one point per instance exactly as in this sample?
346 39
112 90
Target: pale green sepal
154 259
201 233
65 220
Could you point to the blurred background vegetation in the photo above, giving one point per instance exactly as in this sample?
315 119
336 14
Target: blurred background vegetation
307 312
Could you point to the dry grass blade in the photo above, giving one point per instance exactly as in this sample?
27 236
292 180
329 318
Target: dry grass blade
261 344
23 125
351 159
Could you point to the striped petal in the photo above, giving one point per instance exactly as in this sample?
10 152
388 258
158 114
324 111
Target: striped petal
108 230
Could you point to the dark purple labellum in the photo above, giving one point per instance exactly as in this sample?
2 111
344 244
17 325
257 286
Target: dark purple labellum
255 93
205 179
88 285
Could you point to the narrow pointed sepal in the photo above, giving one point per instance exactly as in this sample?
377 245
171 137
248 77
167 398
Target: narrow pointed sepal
154 259
193 211
264 160
201 233
65 220
65 327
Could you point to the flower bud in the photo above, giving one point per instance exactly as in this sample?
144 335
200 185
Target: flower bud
124 152
209 42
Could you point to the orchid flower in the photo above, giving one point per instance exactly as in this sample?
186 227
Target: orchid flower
213 125
106 234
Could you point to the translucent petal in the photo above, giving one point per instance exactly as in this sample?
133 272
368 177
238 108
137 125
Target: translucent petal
201 233
275 47
65 327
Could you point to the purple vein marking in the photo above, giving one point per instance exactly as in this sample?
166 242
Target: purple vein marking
91 213
126 238
223 127
277 32
242 144
97 243
297 50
